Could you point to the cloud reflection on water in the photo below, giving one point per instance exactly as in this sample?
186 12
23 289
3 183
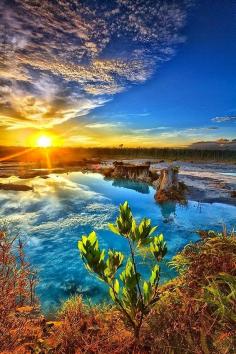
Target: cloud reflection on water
60 209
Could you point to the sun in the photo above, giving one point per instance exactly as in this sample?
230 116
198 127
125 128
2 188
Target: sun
44 141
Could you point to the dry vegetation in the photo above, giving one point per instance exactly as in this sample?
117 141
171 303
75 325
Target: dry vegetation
17 285
91 329
196 313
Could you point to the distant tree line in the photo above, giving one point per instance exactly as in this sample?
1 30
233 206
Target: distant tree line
166 154
73 155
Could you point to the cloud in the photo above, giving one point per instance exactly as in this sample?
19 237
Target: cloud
102 125
20 107
62 59
224 119
149 130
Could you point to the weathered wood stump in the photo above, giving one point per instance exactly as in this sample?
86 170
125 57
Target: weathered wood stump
130 171
168 187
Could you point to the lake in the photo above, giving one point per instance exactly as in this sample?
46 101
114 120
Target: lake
60 209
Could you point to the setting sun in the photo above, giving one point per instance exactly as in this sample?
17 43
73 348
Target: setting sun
44 141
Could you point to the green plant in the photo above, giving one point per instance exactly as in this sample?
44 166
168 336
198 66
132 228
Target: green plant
133 295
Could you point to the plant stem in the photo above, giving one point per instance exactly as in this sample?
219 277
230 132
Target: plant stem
133 324
135 270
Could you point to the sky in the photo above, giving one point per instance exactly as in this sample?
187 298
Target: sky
110 72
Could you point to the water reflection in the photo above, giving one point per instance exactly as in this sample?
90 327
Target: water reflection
62 208
168 210
134 185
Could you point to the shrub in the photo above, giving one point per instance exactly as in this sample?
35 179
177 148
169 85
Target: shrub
17 289
85 329
196 312
133 295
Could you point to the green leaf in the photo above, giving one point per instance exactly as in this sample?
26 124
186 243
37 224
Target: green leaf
114 229
154 278
81 247
145 288
147 292
112 295
92 237
116 286
153 230
158 247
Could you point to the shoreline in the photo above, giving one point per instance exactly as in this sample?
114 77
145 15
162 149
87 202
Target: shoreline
210 183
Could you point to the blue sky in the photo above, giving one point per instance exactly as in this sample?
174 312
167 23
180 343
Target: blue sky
141 73
197 85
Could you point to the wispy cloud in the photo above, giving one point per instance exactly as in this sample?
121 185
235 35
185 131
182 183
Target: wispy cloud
149 130
224 119
61 59
103 125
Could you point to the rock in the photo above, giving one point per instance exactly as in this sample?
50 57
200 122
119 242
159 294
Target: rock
168 187
156 184
168 178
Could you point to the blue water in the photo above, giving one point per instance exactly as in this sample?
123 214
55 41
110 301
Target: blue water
60 209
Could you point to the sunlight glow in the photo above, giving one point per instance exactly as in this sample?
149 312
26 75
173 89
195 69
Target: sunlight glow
44 141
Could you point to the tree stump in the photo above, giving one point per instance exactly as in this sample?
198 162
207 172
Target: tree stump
168 186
